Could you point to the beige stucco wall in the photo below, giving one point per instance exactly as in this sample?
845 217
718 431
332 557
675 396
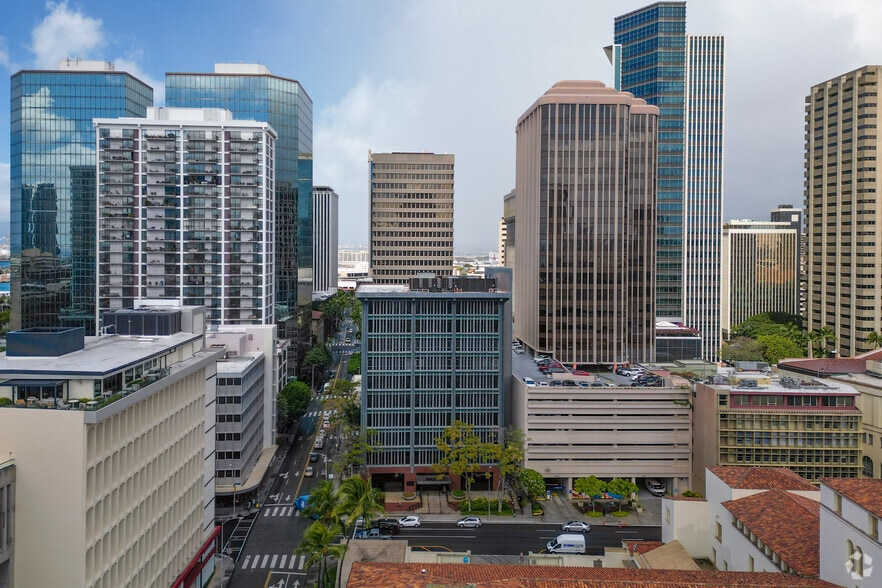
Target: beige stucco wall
49 449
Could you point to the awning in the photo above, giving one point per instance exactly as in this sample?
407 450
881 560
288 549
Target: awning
432 480
34 383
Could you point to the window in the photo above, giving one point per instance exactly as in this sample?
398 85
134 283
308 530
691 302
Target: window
719 532
837 505
874 527
749 563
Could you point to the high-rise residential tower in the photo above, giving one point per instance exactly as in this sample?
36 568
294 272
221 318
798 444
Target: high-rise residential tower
585 187
760 270
252 92
52 189
186 212
654 59
411 215
842 209
325 236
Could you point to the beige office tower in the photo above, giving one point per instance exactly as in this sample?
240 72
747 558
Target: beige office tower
842 209
585 207
411 216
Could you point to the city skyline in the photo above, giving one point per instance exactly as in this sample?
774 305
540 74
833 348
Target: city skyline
369 94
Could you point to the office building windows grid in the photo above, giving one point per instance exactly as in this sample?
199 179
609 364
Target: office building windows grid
427 362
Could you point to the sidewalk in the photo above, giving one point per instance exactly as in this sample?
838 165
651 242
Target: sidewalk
556 511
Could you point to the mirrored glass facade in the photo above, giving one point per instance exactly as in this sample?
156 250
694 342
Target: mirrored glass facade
684 76
53 189
252 93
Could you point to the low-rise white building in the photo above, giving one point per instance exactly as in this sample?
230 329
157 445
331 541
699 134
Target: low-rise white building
752 519
109 441
850 547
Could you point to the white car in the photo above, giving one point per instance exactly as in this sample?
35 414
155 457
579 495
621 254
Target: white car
529 381
309 472
411 521
473 522
655 487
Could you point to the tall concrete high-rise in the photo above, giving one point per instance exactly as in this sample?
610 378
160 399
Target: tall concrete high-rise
252 92
585 186
653 58
325 222
186 212
411 215
52 188
842 209
760 270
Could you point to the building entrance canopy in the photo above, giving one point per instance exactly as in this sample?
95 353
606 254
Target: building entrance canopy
432 480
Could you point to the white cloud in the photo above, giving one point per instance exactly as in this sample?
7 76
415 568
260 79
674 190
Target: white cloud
4 55
65 33
374 115
130 64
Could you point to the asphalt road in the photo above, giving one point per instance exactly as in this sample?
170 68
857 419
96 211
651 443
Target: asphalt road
512 539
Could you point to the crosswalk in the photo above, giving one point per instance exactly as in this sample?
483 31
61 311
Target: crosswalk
278 511
313 414
274 561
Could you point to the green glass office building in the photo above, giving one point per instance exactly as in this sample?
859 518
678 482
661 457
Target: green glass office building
653 58
52 186
252 92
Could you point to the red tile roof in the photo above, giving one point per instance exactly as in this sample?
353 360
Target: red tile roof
641 546
831 366
788 523
760 478
416 575
865 493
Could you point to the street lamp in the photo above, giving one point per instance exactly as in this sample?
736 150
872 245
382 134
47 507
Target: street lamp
234 500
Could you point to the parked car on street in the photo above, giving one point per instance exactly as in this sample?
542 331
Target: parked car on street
472 522
373 533
390 525
410 521
309 472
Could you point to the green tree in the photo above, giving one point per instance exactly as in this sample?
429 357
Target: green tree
591 487
293 401
532 483
354 451
353 366
827 336
319 543
813 343
622 487
509 458
778 347
324 503
314 364
768 323
358 498
338 306
351 413
742 349
874 339
463 453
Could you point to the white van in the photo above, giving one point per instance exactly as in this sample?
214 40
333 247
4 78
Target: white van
567 543
320 443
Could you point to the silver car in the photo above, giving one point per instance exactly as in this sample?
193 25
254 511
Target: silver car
472 522
576 527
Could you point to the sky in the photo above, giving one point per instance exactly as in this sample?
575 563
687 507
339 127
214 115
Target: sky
453 76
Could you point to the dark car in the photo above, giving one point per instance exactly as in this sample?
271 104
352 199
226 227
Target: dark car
555 383
570 383
313 457
388 525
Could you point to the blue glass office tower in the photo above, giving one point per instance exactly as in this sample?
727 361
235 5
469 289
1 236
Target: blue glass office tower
52 189
251 92
654 59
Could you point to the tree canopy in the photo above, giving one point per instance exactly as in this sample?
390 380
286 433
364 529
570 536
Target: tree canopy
778 347
532 483
742 349
293 401
463 452
353 366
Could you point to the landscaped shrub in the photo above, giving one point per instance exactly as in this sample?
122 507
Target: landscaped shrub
408 495
457 494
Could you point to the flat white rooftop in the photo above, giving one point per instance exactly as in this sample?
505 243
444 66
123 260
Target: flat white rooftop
101 355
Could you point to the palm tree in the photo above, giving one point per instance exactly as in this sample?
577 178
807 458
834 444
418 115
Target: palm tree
813 338
874 339
827 335
318 543
323 502
359 499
